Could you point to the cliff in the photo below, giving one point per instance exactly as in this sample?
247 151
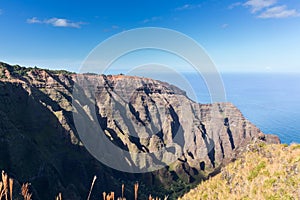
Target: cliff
40 142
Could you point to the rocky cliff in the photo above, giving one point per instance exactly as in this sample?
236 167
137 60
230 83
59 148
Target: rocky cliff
39 141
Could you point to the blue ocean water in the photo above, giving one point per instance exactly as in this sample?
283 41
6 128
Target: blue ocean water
270 101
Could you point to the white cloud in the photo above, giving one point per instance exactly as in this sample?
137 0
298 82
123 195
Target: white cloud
187 7
236 4
278 12
57 22
33 20
257 5
267 9
152 19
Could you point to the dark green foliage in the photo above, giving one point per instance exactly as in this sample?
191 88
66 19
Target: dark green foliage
63 72
91 74
19 71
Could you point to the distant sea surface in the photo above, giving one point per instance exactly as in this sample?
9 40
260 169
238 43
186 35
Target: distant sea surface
270 101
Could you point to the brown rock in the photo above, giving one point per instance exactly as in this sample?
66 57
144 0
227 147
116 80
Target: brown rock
137 114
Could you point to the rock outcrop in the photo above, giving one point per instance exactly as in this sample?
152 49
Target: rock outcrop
40 143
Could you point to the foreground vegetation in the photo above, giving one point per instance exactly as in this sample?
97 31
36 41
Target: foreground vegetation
7 191
263 172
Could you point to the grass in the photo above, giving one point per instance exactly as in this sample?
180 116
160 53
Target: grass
264 171
25 191
255 172
6 187
6 191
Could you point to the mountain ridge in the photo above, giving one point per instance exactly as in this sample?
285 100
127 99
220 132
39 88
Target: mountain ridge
37 105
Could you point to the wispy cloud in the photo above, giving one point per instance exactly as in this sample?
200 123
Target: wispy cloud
113 27
279 12
57 22
236 4
33 20
152 19
267 9
257 5
188 7
224 26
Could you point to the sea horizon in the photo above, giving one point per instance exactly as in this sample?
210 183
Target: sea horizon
266 99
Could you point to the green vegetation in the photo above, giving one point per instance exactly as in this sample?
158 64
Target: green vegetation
264 171
63 72
18 71
90 74
15 70
254 173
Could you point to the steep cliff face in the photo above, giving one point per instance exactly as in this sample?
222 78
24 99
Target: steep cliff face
160 114
39 142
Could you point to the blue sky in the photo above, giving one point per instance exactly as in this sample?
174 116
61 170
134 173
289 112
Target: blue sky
239 36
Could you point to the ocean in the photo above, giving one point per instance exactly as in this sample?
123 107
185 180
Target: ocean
270 101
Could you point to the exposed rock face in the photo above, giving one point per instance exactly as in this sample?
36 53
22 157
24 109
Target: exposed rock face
138 114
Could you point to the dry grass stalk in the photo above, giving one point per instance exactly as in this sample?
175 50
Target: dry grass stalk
104 195
109 196
112 196
1 190
11 183
123 187
59 197
156 198
25 191
5 185
93 182
136 189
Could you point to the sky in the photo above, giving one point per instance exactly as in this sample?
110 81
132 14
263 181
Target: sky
239 36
